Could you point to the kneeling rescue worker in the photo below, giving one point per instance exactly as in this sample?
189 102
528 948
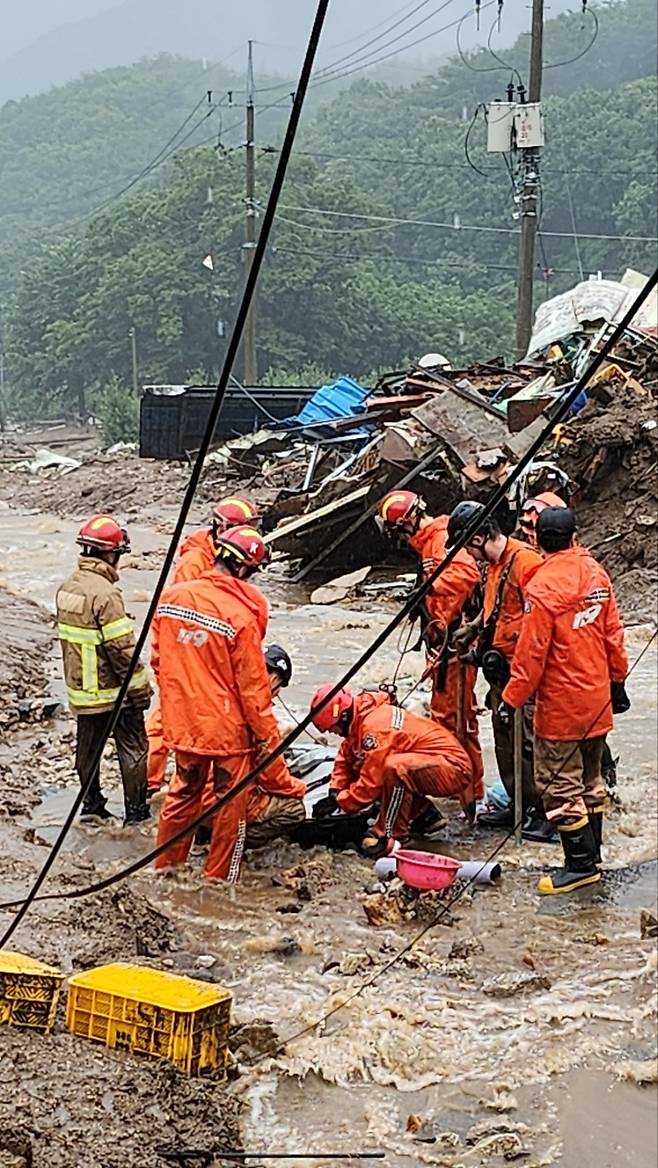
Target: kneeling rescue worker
393 758
196 555
98 641
216 697
403 514
571 655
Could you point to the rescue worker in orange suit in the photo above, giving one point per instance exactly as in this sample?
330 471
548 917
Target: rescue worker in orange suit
216 698
510 564
196 555
98 642
570 654
454 592
276 799
393 758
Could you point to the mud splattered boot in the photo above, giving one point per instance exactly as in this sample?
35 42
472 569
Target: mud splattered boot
580 868
537 828
375 846
136 813
94 809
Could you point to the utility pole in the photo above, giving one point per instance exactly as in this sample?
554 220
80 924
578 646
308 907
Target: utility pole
529 194
250 356
132 333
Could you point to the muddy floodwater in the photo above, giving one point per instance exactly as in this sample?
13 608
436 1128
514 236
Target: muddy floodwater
512 1031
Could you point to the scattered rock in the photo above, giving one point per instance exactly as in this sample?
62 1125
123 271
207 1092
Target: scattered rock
425 1130
247 1040
381 909
648 924
506 985
465 947
205 961
501 1100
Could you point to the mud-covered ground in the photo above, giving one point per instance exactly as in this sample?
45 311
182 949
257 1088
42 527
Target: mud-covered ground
488 1042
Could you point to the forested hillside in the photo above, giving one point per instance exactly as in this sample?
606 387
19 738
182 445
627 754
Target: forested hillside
396 231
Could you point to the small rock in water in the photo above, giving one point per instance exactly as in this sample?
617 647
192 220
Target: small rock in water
506 985
425 1130
502 1100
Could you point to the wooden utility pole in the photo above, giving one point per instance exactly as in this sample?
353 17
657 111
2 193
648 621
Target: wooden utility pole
132 333
250 357
529 194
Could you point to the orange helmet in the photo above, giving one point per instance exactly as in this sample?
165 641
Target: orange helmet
330 715
532 508
105 534
396 508
232 512
243 547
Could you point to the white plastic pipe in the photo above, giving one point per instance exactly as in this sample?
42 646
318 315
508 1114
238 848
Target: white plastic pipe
475 870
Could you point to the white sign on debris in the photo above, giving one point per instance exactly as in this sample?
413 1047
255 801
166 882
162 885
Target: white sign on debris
591 301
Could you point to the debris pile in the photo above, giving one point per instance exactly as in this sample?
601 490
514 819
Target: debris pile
27 642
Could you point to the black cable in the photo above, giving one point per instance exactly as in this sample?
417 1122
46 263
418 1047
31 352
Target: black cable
410 605
231 354
377 257
502 64
457 895
583 53
466 62
483 174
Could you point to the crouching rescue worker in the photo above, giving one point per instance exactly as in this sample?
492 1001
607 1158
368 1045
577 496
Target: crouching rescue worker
98 641
454 593
392 758
215 696
571 655
510 564
196 555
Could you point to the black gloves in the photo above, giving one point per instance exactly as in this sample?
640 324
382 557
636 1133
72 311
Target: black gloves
325 807
619 698
506 713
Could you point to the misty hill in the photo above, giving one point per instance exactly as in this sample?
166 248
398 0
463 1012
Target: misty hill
49 42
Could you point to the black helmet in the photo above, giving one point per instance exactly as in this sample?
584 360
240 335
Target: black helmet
278 661
461 518
556 527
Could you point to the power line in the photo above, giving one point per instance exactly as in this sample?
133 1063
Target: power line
466 226
439 262
231 353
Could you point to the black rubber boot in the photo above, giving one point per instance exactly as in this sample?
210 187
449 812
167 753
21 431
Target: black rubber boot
596 823
502 820
429 821
579 860
95 810
537 828
136 813
202 836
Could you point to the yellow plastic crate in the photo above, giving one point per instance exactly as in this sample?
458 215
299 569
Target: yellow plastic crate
151 1012
29 991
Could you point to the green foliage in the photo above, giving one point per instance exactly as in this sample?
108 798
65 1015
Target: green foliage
117 410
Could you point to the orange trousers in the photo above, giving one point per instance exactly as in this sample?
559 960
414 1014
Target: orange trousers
407 780
187 797
443 709
158 752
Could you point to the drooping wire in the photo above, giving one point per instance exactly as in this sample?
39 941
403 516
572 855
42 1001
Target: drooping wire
483 174
583 53
231 354
502 64
410 606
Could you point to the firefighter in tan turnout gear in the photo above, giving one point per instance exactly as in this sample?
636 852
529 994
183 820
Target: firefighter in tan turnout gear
98 640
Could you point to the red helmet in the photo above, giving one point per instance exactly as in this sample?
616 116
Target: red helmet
232 512
397 507
329 716
104 533
243 547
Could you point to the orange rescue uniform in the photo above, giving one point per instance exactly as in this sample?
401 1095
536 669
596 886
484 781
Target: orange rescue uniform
396 758
570 649
216 708
524 562
445 604
196 555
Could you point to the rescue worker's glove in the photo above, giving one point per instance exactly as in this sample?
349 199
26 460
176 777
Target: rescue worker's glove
619 698
506 713
465 636
325 807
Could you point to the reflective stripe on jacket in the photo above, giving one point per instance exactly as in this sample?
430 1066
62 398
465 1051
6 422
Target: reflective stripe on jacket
97 638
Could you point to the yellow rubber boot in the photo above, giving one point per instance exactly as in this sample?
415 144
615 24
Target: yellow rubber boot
580 868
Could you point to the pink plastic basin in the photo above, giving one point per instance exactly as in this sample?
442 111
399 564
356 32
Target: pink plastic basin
425 869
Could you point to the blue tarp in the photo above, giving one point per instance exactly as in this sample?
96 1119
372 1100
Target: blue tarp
339 400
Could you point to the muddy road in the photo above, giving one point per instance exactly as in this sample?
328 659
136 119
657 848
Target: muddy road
437 1062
